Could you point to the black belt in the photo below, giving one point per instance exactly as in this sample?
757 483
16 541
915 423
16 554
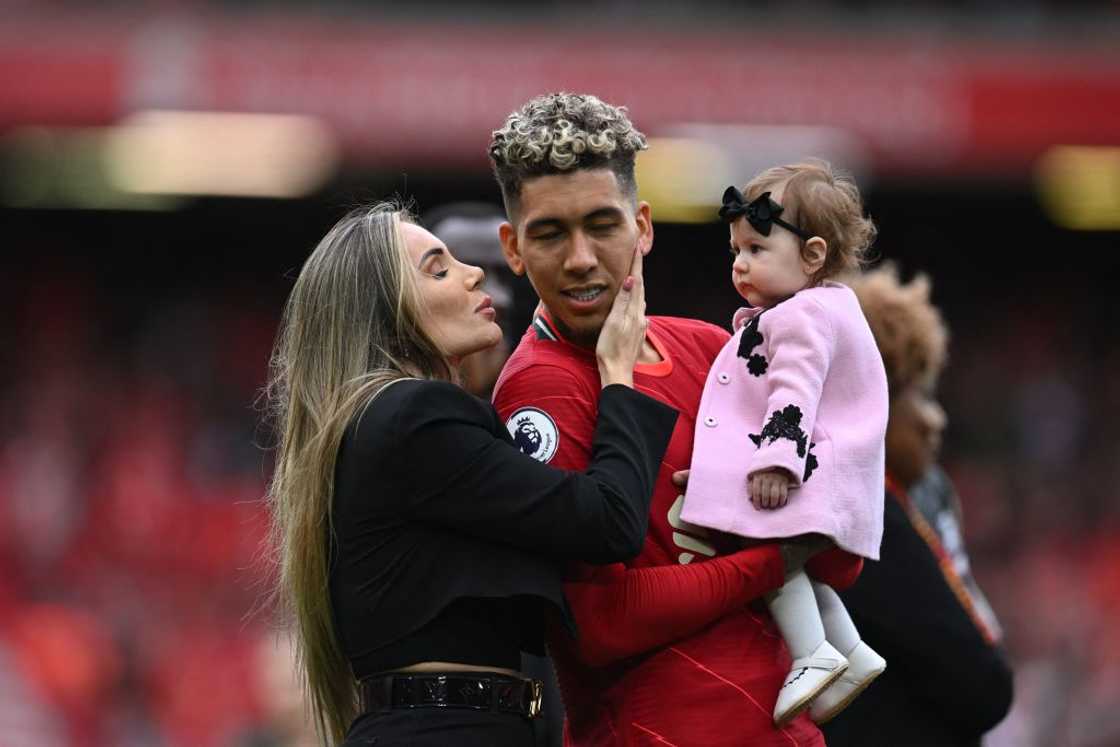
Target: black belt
479 692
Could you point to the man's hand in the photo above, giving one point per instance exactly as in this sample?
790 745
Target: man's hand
769 488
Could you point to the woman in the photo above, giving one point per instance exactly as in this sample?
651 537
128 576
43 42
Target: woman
418 545
947 681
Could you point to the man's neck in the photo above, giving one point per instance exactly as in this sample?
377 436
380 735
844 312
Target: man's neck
649 353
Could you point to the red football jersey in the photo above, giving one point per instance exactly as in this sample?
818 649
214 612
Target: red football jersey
670 649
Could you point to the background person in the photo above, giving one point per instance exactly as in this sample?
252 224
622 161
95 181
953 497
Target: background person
948 681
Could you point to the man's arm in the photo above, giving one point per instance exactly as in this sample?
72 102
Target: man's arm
622 612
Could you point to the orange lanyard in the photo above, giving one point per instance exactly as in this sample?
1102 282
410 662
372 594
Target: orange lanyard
952 578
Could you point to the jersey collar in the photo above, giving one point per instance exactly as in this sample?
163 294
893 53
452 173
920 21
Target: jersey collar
545 329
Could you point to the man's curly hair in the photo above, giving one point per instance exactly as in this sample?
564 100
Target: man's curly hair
908 329
562 132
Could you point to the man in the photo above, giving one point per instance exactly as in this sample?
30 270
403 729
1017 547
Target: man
669 651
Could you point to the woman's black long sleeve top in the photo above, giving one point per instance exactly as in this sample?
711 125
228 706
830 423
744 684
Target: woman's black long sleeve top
447 542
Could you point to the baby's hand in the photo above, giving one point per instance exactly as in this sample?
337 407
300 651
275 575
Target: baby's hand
769 488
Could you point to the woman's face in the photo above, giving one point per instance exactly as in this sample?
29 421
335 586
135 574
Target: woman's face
455 313
913 433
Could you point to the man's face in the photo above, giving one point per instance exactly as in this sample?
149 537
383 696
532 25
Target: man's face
575 238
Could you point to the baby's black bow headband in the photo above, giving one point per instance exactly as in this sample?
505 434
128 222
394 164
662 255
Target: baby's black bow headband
760 212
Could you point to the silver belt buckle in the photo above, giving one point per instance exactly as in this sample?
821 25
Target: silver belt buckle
537 697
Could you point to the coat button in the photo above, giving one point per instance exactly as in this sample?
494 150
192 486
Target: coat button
710 421
723 378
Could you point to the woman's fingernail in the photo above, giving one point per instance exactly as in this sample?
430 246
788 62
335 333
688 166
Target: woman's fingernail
628 283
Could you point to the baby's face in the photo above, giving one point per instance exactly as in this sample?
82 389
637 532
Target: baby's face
766 269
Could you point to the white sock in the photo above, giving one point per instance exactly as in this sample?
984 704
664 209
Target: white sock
794 608
838 626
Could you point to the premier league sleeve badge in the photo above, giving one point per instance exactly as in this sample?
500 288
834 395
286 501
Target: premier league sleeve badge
534 433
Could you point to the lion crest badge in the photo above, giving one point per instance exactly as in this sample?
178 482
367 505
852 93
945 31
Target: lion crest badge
534 432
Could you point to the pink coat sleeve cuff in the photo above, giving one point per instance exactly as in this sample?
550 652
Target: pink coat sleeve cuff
781 453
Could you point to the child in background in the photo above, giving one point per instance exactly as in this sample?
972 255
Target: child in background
790 438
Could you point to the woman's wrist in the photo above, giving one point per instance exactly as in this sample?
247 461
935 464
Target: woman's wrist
615 375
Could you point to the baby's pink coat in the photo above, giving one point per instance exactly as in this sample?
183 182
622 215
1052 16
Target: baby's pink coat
820 358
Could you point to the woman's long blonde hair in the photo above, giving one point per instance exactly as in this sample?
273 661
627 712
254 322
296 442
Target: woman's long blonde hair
349 328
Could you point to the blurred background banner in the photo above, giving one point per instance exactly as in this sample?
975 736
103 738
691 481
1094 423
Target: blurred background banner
919 103
165 168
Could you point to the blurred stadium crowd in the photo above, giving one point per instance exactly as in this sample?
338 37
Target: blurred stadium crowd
134 584
131 479
131 523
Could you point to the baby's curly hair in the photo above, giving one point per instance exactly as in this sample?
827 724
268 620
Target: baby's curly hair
561 132
826 203
909 330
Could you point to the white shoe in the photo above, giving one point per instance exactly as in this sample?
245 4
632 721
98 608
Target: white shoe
864 665
807 678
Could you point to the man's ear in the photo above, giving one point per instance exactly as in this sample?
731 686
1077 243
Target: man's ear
813 254
508 236
643 217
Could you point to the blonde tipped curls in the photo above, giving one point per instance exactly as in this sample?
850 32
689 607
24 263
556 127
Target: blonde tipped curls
562 132
561 127
561 144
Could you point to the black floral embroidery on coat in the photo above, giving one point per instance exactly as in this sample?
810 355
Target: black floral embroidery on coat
811 464
787 424
784 424
752 338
